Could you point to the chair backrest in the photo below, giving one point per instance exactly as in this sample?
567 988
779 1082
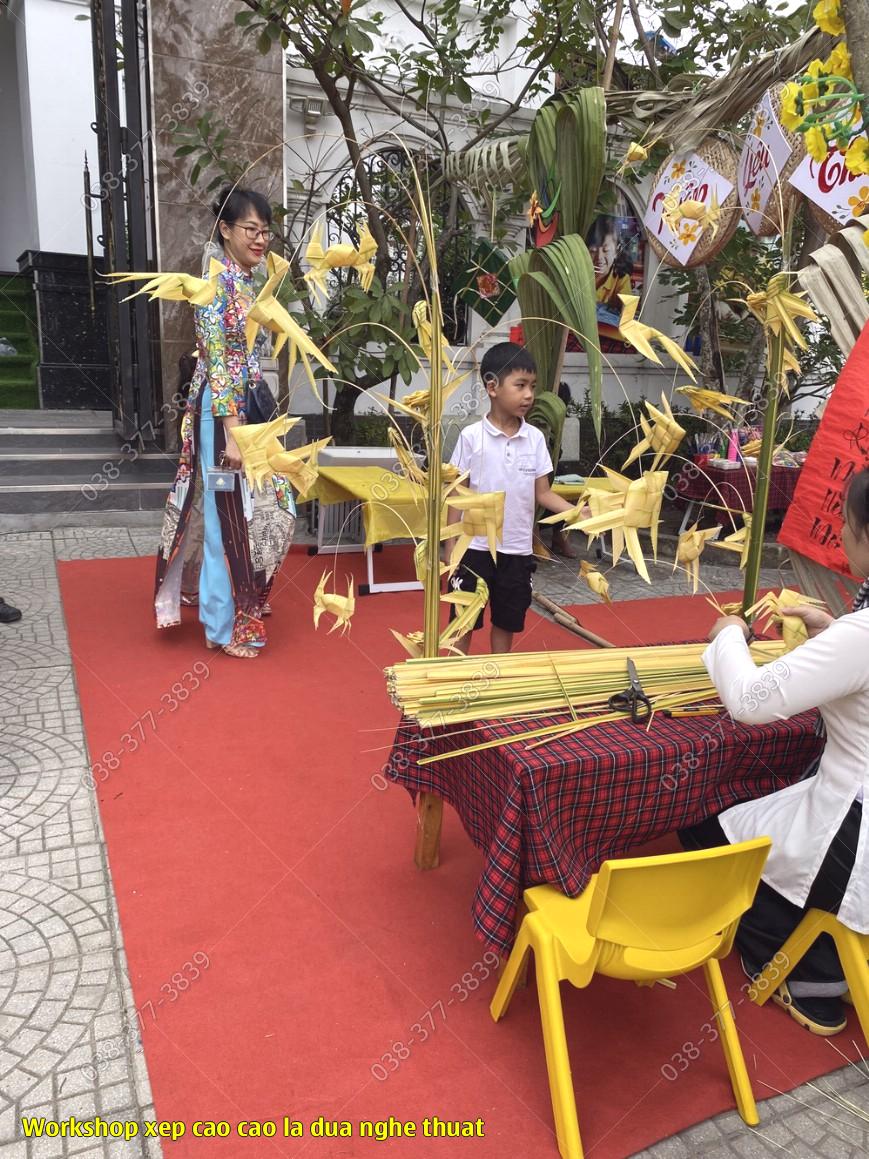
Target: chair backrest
678 900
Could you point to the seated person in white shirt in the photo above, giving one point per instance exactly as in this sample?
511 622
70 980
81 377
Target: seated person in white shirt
818 826
504 453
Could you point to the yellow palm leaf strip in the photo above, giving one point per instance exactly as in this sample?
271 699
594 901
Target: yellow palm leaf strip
777 309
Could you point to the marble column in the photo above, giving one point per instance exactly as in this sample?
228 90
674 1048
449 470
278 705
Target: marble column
203 62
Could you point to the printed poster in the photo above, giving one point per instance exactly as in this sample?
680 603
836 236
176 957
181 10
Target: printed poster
764 156
828 183
691 178
840 448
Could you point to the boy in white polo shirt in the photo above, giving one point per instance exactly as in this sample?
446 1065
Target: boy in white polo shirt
504 453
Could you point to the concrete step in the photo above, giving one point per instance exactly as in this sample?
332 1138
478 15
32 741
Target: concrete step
47 465
22 495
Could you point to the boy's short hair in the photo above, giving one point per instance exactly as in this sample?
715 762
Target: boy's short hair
502 359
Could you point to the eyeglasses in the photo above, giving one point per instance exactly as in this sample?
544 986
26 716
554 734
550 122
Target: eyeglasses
253 234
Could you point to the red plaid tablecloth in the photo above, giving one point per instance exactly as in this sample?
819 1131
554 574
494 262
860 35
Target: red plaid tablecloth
734 489
553 814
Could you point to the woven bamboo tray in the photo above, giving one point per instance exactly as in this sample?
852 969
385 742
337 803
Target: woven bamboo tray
722 158
784 198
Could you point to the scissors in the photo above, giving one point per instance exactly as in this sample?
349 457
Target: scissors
633 699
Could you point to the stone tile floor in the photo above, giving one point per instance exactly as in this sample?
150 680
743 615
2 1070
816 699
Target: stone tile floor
66 1047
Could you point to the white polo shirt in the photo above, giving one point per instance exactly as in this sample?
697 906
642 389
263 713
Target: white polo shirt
512 464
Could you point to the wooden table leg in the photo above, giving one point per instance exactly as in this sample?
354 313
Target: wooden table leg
429 810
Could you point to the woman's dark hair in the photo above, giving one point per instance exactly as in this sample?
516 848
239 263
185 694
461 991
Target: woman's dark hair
233 204
857 502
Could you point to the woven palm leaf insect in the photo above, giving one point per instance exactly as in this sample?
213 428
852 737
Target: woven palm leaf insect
597 582
774 608
662 435
344 255
341 607
640 336
702 399
174 287
690 548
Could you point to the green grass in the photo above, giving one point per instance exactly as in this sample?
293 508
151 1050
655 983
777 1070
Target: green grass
17 325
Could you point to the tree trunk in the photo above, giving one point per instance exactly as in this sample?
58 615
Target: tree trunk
341 419
707 325
856 16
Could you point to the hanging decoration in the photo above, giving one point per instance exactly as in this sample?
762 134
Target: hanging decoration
662 435
342 255
597 582
641 336
690 548
693 208
769 157
488 289
341 607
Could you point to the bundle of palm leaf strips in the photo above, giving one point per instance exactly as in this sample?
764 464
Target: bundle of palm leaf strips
448 690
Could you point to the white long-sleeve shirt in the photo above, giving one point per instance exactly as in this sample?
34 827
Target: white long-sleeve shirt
831 673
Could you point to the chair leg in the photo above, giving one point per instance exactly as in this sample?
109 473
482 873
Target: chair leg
852 955
792 952
733 1055
557 1058
513 973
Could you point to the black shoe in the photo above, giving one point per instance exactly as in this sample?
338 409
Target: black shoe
823 1016
8 614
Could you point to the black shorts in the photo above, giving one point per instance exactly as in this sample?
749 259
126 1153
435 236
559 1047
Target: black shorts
509 582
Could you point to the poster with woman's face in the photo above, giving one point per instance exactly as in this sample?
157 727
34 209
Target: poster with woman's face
617 245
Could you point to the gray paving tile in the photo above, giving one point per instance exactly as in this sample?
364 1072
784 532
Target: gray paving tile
93 543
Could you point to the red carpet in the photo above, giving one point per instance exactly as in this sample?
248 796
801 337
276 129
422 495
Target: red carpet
245 826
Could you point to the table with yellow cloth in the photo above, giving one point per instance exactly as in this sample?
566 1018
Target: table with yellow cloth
392 508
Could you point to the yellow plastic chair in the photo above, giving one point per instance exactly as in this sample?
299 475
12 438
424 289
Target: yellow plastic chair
853 950
641 919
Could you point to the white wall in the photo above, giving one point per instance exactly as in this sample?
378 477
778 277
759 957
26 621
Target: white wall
17 229
55 50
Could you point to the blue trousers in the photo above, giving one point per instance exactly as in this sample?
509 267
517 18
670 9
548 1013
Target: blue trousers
216 604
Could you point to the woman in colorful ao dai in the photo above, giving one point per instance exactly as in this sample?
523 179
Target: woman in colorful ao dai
222 548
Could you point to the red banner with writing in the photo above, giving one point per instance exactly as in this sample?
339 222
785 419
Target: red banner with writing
813 524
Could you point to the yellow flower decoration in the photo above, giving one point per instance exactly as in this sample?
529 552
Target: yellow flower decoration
689 233
827 14
860 203
857 156
677 170
754 201
816 144
791 116
838 63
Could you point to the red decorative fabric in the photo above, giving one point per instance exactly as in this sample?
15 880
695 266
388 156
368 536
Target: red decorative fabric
553 814
813 524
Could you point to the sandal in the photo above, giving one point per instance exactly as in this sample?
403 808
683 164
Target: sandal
241 651
190 601
266 609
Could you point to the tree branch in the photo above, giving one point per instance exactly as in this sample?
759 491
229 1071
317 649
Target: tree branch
517 103
647 47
